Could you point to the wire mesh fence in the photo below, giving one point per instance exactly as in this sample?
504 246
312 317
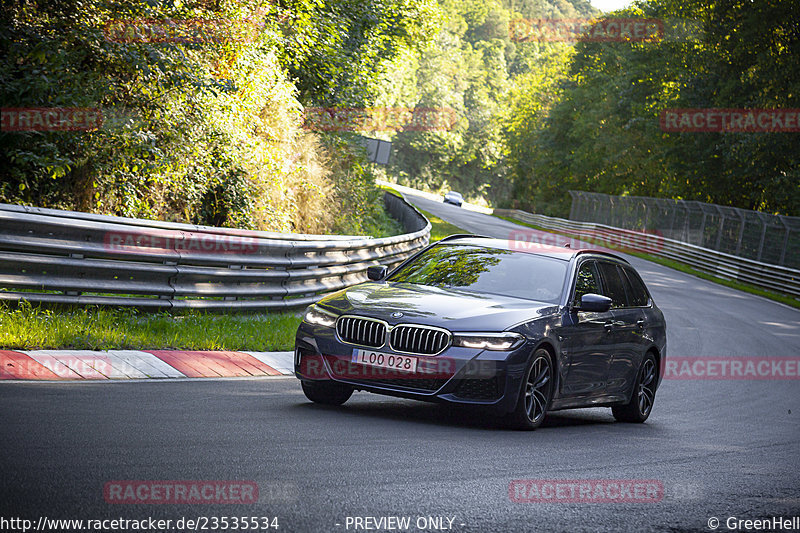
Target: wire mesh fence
772 239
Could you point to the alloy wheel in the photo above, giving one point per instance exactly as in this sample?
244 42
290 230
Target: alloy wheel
537 389
647 378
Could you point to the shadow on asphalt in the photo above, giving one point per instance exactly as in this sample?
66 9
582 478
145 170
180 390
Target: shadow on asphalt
449 416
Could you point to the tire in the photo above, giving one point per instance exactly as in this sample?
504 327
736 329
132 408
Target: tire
536 393
644 394
327 392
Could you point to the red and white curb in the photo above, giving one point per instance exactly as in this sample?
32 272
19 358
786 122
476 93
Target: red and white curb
57 365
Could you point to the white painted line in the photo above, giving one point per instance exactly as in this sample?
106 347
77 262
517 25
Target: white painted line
138 364
283 362
131 364
152 365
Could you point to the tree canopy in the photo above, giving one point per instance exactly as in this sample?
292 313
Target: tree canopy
592 123
203 105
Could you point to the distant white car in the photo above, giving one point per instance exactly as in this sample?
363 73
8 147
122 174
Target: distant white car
454 198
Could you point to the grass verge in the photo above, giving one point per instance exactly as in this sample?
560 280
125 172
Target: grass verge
745 287
31 328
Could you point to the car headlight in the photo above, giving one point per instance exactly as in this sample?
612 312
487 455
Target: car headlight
319 317
488 341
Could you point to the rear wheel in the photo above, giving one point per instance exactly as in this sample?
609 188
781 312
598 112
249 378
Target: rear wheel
644 394
536 393
327 392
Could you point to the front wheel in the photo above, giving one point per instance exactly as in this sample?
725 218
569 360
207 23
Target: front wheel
536 393
327 392
644 394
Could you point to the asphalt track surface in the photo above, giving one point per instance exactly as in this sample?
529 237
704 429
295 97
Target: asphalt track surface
720 448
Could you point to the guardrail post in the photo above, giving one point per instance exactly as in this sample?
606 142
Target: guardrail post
741 234
721 228
233 298
782 260
763 237
573 208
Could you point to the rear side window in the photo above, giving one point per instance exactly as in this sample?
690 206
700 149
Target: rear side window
638 291
614 284
587 281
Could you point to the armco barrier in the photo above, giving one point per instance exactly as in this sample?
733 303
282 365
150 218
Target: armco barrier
770 277
50 256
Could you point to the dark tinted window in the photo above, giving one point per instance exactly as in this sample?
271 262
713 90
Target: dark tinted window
638 291
613 284
587 281
489 270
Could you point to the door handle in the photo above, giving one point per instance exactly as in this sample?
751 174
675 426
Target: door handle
640 322
609 326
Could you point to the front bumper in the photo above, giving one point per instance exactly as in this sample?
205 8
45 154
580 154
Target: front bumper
458 375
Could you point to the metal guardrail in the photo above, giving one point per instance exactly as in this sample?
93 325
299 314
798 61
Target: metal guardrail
763 237
50 256
719 264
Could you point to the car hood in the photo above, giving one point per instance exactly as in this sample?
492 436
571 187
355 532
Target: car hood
454 309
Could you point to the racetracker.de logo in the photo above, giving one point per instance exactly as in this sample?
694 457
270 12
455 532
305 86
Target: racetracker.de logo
50 118
314 366
350 119
646 241
732 368
180 492
730 120
191 31
584 29
191 243
585 491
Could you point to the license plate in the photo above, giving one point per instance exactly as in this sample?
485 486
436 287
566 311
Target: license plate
403 363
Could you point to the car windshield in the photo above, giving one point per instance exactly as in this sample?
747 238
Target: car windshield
488 270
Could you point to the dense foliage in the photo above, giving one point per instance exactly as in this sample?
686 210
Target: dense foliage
210 129
475 67
204 125
590 120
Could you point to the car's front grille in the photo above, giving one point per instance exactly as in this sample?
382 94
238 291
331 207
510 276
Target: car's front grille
419 340
361 331
478 389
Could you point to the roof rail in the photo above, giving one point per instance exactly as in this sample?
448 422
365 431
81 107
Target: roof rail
602 252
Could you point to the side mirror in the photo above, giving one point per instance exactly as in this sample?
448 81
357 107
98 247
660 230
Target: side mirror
377 273
594 303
